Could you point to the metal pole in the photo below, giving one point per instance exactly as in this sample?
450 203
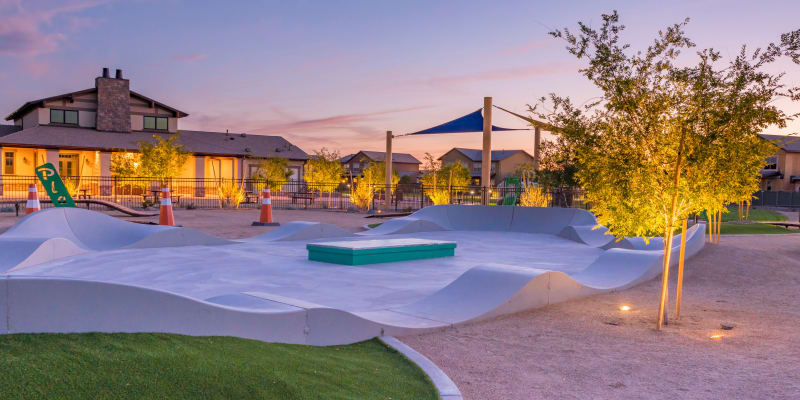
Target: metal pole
537 141
388 161
486 159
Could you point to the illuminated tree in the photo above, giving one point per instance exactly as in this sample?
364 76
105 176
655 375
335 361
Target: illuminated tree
665 139
162 159
273 172
324 171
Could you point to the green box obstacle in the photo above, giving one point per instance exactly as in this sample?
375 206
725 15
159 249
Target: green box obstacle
362 252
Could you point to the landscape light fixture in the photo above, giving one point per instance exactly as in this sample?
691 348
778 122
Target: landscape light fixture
625 308
717 336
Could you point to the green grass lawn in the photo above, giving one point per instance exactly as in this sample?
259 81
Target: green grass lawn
375 225
163 366
730 228
756 214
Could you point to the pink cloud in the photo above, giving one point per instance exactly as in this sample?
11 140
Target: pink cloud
525 48
23 32
189 58
531 71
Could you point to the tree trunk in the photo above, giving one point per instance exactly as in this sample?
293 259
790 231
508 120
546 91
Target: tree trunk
747 212
719 225
662 315
680 270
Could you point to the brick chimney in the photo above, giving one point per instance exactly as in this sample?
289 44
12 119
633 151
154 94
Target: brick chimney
113 103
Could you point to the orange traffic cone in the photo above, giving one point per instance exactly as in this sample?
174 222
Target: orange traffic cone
33 200
266 211
165 216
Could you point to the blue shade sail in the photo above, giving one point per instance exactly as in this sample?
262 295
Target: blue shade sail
472 122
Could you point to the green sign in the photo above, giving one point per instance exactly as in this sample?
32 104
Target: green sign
54 186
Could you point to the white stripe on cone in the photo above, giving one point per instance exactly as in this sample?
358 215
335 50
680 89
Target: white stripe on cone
266 201
32 204
166 201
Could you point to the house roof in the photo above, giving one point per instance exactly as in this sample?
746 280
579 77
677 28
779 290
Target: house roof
476 155
787 143
9 129
380 156
40 102
198 142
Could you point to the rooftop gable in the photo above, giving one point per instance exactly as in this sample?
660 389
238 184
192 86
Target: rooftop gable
787 143
380 156
476 155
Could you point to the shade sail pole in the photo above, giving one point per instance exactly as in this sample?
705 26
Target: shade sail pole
388 161
486 160
537 141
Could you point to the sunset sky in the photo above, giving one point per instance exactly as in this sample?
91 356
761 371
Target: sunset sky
340 73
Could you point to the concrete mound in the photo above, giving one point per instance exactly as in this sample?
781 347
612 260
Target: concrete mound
403 225
302 230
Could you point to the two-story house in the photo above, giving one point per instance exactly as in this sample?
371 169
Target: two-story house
782 172
402 163
504 162
79 131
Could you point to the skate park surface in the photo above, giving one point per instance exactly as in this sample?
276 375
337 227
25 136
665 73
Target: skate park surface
73 270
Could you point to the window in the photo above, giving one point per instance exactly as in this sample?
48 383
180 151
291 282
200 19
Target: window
8 165
156 123
67 164
69 117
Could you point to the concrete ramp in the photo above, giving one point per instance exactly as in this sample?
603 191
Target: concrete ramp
302 230
403 225
587 235
60 232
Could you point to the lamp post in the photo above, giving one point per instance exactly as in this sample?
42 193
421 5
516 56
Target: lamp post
486 160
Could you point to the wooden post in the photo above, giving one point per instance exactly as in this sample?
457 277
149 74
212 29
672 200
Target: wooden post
486 159
680 270
537 141
388 161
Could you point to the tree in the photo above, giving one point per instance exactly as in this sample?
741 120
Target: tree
558 164
657 145
324 171
163 159
274 172
125 164
377 176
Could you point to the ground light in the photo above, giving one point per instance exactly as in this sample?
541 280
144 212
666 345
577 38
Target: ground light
716 336
625 308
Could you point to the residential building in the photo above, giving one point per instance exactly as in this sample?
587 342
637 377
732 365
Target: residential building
403 163
79 131
782 172
504 162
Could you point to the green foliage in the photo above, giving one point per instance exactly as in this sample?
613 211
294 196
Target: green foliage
441 182
665 138
273 171
164 366
162 159
363 191
378 175
324 171
558 164
125 164
535 196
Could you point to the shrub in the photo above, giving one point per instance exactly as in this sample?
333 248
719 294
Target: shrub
535 196
230 193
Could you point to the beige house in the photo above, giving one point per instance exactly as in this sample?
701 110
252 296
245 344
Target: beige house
504 162
782 172
79 131
402 163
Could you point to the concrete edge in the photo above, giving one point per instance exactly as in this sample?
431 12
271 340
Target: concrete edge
444 385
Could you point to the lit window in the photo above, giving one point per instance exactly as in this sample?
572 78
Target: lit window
156 123
67 164
9 164
69 117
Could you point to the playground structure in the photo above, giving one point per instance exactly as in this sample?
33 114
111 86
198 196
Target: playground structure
74 270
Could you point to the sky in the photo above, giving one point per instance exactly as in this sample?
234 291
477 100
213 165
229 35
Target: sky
339 74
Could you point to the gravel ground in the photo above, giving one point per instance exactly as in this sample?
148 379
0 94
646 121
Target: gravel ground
588 349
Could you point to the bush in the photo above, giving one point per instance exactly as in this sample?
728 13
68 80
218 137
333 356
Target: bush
230 193
535 196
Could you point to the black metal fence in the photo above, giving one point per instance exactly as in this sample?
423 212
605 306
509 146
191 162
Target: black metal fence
218 193
766 198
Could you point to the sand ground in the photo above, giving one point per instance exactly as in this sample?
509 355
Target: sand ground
235 224
588 349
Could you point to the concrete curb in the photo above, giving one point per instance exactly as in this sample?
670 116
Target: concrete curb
444 385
